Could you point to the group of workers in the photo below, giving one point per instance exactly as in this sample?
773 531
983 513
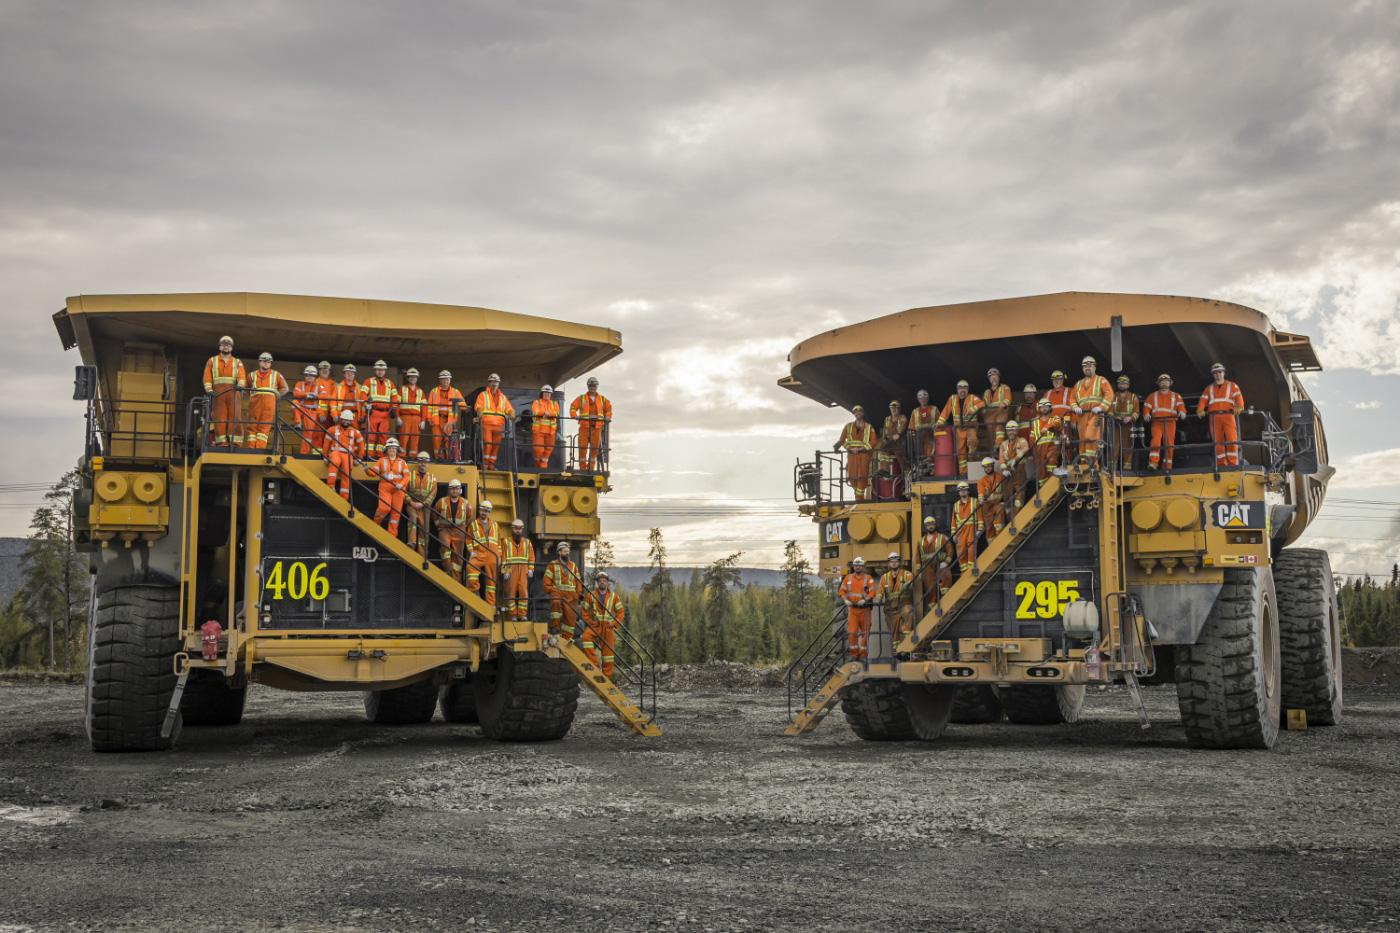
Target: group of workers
378 411
1043 423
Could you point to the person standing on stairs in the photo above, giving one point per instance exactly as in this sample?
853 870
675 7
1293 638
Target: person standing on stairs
602 614
422 490
392 471
484 539
518 568
561 582
453 516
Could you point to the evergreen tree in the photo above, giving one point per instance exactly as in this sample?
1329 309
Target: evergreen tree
55 587
719 607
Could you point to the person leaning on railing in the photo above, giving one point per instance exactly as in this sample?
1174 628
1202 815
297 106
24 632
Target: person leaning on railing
1046 434
392 471
224 380
345 446
858 438
896 593
1013 455
602 614
422 490
485 540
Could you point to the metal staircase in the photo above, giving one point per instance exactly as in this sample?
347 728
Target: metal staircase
943 610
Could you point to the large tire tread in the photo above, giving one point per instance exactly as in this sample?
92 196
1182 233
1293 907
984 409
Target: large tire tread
1043 704
976 705
876 712
530 698
410 705
210 701
131 672
1308 642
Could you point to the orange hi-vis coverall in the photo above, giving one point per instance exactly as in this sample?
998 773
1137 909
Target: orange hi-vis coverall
857 588
890 450
224 378
933 550
1013 456
992 515
492 410
484 539
325 399
1124 410
265 390
996 410
1162 410
344 445
421 489
393 477
967 525
444 408
858 440
592 413
561 583
349 396
307 408
544 424
453 517
1223 403
411 402
1045 435
517 560
896 592
381 403
1089 393
1025 413
962 414
602 614
922 420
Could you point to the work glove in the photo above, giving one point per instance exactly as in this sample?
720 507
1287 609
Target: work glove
398 422
530 574
1098 410
1181 417
1077 410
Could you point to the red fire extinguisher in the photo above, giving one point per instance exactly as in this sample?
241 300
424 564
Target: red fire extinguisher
209 639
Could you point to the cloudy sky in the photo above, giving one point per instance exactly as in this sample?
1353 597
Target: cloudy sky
716 181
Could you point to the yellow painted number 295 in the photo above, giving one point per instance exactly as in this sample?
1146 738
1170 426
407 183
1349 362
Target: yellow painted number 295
296 581
1046 599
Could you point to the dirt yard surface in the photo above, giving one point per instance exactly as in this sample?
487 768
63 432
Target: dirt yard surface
308 818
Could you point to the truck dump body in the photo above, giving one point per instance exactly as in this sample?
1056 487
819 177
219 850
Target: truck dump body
236 542
1032 564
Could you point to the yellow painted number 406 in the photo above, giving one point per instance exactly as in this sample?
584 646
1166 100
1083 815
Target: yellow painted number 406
1046 599
296 581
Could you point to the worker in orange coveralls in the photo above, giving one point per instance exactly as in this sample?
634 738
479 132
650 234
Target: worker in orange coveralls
1125 409
858 593
307 408
1014 464
225 379
453 515
345 446
493 409
561 582
484 539
593 412
896 593
412 401
967 526
1060 405
1089 400
544 424
1045 438
445 406
922 420
1223 402
325 395
1024 413
518 568
420 493
392 471
349 396
265 390
858 438
996 409
1162 409
992 514
936 558
381 407
602 614
961 411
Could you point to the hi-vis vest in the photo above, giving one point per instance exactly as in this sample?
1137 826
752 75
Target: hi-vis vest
347 398
381 393
929 550
1092 392
1001 395
605 612
560 577
546 414
485 533
853 438
963 515
267 383
391 471
457 514
897 586
219 373
591 409
493 403
411 399
961 411
422 487
1163 405
1221 398
517 554
441 400
1046 429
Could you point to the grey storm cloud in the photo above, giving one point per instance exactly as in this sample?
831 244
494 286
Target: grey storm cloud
715 180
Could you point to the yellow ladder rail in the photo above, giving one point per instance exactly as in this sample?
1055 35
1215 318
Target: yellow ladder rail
824 701
604 689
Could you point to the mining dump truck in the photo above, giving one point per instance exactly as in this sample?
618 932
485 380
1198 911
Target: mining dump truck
221 557
1092 558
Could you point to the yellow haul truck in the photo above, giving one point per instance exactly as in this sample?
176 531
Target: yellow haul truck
217 564
1086 562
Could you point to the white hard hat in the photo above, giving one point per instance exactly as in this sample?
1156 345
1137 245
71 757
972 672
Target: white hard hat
988 461
930 520
347 415
309 371
562 546
1013 424
894 555
392 442
593 380
859 561
546 388
455 484
493 378
349 368
518 523
324 364
226 339
264 356
380 364
445 374
485 504
602 575
423 455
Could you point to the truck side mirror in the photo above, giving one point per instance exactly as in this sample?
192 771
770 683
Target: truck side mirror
1303 415
84 383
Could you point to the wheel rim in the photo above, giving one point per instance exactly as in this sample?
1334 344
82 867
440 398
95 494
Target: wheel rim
1269 647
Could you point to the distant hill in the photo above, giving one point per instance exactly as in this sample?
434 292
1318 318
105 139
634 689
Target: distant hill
632 578
10 551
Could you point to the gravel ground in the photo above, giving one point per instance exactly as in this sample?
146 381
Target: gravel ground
308 818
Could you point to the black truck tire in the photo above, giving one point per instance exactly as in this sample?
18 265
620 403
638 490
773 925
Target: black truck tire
210 701
410 705
876 712
457 701
1043 704
1227 683
976 705
1310 634
525 697
132 642
929 709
